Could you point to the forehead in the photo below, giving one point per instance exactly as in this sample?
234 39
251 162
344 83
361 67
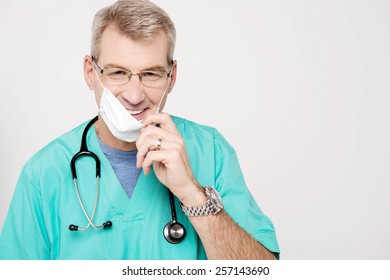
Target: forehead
118 49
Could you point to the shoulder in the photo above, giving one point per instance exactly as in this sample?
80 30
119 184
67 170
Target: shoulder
54 153
205 135
68 141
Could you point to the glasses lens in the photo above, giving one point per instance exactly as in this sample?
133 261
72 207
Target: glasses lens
116 76
153 78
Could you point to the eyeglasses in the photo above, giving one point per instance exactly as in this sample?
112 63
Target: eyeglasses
119 76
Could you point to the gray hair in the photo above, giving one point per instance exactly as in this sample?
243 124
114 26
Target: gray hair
140 20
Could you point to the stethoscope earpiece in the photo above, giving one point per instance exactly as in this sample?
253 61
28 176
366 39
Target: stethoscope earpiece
73 227
174 232
107 224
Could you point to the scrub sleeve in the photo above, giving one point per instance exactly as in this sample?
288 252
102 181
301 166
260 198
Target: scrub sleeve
24 235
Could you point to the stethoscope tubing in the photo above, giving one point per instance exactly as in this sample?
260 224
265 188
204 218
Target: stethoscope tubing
85 152
90 223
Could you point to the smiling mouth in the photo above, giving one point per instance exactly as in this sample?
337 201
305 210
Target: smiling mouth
137 112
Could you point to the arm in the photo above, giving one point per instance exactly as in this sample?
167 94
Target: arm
222 238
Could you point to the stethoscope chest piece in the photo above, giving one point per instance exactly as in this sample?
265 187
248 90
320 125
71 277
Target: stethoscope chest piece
174 232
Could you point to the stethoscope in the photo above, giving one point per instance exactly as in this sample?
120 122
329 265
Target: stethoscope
174 232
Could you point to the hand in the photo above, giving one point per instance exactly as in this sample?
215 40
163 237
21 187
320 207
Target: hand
164 147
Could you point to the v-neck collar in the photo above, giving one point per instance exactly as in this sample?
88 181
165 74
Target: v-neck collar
146 189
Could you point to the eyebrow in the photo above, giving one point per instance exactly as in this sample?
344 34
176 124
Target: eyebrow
150 68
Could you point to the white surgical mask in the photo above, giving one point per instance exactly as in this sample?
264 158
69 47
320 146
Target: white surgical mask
118 120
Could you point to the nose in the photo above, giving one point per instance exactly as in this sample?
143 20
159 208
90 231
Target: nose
133 91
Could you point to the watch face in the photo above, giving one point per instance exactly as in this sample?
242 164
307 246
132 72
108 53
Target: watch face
215 199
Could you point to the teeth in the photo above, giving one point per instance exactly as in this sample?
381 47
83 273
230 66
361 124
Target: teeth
135 112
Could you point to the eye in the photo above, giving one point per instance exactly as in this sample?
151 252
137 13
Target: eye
119 72
116 73
152 75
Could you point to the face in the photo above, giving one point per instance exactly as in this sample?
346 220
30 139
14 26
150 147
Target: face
119 51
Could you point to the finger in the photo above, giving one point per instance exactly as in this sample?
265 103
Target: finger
163 120
152 143
153 157
154 131
143 150
150 136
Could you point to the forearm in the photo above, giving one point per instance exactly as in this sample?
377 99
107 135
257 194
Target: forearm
222 238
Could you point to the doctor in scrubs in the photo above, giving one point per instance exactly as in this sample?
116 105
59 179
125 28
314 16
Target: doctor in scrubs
145 154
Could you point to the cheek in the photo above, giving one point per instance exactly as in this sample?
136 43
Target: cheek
98 95
160 98
154 95
97 99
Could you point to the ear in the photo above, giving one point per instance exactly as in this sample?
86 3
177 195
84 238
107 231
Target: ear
173 76
88 71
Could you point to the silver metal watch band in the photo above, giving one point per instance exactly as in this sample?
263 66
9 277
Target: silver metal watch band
195 211
212 206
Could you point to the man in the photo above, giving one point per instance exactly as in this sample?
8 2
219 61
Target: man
131 70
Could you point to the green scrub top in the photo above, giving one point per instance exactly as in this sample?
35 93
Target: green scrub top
45 204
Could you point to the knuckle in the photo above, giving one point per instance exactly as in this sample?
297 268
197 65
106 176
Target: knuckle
166 117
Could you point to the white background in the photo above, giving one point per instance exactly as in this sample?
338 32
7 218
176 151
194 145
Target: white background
299 88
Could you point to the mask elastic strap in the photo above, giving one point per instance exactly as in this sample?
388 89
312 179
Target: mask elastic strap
96 74
163 96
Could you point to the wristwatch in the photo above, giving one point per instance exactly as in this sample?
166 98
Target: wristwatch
212 206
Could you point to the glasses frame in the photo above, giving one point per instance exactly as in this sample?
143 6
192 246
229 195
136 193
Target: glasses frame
139 74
